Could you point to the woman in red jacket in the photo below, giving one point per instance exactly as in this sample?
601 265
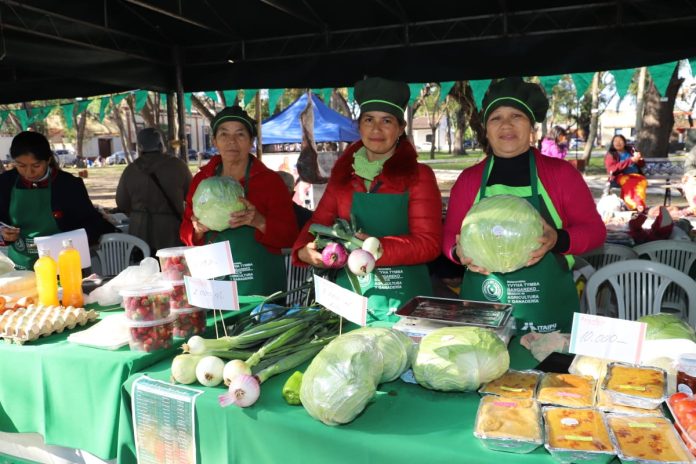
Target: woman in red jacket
256 234
542 293
379 180
624 168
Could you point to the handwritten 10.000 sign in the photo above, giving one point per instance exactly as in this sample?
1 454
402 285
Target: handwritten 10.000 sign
212 294
607 338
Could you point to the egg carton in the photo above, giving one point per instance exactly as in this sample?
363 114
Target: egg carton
28 324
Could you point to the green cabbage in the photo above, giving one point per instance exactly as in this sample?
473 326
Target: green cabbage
460 359
343 378
215 199
499 232
664 325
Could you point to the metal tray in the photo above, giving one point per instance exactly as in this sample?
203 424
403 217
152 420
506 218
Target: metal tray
457 312
626 398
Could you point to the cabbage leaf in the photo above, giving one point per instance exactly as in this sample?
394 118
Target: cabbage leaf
215 199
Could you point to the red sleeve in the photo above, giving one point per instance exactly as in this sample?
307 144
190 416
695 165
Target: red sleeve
186 229
613 166
461 200
325 214
422 243
271 198
574 203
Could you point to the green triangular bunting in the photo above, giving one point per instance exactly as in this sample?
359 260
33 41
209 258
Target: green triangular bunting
478 88
325 94
102 108
273 97
661 75
119 98
3 116
212 95
230 96
187 102
68 110
445 88
249 95
549 82
622 79
82 105
415 92
351 97
140 100
582 81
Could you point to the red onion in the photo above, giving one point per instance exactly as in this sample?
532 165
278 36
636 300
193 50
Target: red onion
361 262
334 255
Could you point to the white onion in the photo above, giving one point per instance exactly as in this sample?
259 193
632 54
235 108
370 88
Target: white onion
209 371
195 345
361 262
184 368
233 369
373 246
243 391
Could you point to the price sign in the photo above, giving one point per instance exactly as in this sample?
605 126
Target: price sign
607 338
210 261
212 294
337 299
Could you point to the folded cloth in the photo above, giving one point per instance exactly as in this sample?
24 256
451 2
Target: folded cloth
543 344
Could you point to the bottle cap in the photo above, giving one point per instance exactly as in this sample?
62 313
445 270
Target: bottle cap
44 252
67 243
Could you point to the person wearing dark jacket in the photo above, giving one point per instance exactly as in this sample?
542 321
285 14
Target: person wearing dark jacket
38 199
152 191
379 181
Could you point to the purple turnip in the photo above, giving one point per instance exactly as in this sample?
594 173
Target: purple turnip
334 255
361 262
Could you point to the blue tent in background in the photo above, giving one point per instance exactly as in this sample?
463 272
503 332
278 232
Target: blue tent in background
329 126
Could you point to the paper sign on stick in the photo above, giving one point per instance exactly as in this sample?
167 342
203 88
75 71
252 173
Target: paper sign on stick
212 294
54 243
209 261
337 299
607 337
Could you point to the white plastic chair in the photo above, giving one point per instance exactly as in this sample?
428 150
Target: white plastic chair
640 287
607 254
296 276
582 270
114 252
678 254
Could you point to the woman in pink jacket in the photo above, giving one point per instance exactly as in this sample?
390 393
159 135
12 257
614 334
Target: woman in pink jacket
555 143
542 293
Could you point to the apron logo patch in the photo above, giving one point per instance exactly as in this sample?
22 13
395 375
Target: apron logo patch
20 245
529 325
492 290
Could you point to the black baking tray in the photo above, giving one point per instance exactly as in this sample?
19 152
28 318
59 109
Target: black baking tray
457 312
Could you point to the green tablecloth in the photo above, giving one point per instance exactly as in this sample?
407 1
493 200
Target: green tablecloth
405 424
69 393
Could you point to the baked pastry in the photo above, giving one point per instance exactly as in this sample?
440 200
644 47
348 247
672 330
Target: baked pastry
643 382
507 418
513 384
577 429
647 438
567 390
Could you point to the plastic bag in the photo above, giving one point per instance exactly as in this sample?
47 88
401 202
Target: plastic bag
107 294
6 264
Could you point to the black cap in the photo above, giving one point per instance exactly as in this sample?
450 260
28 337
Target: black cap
150 139
234 113
378 94
515 92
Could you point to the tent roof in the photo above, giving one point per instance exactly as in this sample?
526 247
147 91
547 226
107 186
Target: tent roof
329 126
72 48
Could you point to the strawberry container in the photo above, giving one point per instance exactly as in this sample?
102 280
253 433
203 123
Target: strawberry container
151 335
146 302
173 262
178 299
189 321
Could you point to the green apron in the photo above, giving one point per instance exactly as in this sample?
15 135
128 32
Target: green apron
257 270
30 210
543 296
380 215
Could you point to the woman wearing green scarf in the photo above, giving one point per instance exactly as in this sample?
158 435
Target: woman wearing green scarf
380 182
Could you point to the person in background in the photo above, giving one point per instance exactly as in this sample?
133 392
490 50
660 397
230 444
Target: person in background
302 214
152 191
624 165
555 144
37 199
257 234
542 293
379 181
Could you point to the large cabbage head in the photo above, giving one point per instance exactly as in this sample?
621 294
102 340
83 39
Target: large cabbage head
215 199
342 379
663 325
460 359
397 350
499 232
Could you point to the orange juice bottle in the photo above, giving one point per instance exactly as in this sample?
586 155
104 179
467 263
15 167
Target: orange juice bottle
70 271
46 279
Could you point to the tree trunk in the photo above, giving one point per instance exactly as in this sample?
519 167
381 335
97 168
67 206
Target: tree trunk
80 133
432 138
594 119
449 130
640 99
172 123
131 104
658 120
206 112
148 113
121 130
